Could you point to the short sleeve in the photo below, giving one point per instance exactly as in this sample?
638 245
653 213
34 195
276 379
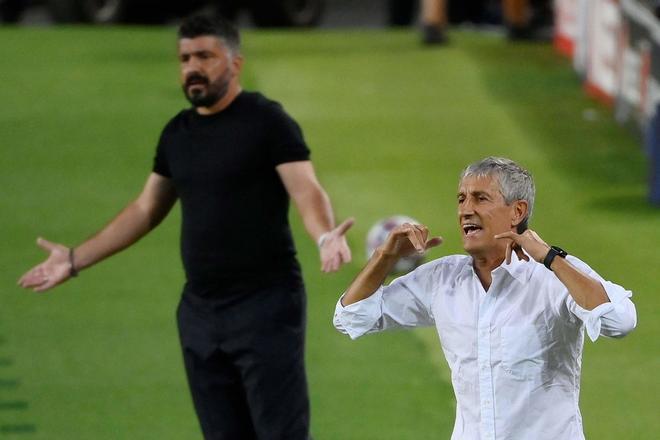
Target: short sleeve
285 138
161 165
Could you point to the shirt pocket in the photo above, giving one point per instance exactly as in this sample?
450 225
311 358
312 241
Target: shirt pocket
523 351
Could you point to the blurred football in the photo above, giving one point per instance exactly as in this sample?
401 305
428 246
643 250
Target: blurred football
378 234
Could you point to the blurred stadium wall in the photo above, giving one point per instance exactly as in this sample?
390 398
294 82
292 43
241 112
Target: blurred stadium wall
615 48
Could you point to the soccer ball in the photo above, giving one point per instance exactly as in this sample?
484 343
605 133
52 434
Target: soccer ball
378 234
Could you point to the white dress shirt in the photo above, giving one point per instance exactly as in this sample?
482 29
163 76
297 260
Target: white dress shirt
514 351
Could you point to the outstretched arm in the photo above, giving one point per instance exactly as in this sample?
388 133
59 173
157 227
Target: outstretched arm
132 223
404 240
315 209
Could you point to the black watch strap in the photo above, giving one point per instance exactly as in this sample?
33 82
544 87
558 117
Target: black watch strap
554 251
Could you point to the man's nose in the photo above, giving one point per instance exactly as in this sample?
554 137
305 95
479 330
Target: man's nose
190 66
465 208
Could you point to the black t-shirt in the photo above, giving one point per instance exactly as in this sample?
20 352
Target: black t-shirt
235 229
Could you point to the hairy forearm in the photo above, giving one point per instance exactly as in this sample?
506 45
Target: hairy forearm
370 278
587 292
316 212
131 224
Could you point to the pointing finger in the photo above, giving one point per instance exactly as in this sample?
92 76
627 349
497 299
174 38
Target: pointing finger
345 225
433 242
508 234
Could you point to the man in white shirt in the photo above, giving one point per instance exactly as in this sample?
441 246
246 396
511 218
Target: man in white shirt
511 315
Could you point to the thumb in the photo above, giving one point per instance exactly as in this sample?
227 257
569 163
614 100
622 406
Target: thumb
509 234
345 225
45 244
433 242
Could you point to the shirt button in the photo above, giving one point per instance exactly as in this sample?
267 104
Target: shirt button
487 402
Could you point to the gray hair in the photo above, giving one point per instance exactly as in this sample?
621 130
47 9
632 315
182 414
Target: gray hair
516 183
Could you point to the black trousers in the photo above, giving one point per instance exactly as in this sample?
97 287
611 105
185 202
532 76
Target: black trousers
244 358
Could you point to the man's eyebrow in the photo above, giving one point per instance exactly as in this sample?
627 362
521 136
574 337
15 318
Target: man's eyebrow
474 193
196 52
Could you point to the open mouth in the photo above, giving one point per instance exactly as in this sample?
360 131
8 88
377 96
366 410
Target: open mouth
470 229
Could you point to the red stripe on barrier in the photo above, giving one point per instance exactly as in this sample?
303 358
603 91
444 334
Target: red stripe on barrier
598 94
564 45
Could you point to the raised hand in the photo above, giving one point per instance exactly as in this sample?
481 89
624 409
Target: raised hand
55 270
333 247
408 239
529 241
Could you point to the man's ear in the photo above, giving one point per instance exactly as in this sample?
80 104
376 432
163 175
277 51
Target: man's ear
237 63
519 212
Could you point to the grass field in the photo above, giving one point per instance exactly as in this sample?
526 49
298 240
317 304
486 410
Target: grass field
390 125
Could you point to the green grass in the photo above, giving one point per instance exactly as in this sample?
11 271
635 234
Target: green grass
390 125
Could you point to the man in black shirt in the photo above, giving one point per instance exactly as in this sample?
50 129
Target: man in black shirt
233 160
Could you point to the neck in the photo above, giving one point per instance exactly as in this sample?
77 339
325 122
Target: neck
484 265
233 91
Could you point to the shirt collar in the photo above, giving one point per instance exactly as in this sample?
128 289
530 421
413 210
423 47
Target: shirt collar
520 270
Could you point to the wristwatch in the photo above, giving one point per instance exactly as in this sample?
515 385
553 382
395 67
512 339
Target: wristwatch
555 251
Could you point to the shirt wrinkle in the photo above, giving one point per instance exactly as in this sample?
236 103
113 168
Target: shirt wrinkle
515 359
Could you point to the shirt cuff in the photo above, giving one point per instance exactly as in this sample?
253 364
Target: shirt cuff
359 318
616 294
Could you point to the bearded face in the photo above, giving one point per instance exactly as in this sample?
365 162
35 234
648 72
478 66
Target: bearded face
203 92
208 68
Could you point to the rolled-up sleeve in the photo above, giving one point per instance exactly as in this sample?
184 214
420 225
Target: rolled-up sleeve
359 318
615 318
405 303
